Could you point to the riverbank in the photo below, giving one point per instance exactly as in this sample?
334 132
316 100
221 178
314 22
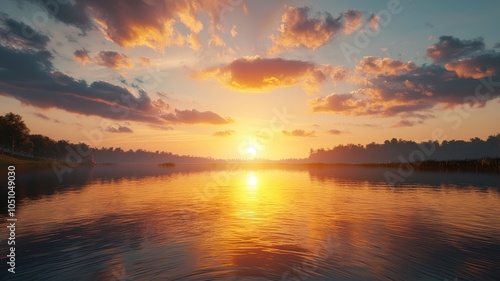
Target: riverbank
19 160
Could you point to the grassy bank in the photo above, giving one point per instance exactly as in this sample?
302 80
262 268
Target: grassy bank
17 160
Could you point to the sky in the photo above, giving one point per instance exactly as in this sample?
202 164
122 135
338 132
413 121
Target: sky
245 79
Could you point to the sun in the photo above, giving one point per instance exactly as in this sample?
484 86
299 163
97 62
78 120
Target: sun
252 151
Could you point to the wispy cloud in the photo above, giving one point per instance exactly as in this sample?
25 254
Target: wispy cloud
226 133
299 133
119 129
20 35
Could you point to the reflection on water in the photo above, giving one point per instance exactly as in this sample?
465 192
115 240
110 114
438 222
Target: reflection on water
151 223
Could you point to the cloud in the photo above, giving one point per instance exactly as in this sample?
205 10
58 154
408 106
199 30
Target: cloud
225 133
298 30
82 56
450 48
120 129
353 21
152 23
68 12
194 41
373 22
339 103
21 35
396 88
364 125
41 116
406 123
114 60
30 77
233 31
194 116
298 133
334 132
145 61
415 93
263 74
476 67
384 66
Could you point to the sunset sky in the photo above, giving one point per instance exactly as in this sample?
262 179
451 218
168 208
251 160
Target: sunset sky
216 77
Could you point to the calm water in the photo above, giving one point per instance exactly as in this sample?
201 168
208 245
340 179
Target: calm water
204 223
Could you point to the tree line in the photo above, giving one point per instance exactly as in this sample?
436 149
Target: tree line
398 150
15 139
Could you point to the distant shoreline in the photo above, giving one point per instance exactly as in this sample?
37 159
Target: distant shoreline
484 165
488 165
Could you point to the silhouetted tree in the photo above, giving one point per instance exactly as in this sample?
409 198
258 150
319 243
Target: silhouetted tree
13 133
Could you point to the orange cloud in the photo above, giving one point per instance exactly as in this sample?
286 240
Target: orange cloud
373 23
82 56
114 60
353 21
384 66
194 41
450 48
151 23
261 74
233 31
298 30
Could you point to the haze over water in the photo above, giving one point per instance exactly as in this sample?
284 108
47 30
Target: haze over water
149 223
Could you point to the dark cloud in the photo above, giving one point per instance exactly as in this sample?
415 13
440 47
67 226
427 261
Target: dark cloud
114 60
120 129
384 66
298 133
41 116
68 12
497 46
416 92
82 56
29 77
21 35
70 38
450 48
194 116
476 67
226 133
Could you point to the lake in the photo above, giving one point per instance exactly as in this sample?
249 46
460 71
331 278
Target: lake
144 222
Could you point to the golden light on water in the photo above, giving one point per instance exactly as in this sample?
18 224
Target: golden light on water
252 181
